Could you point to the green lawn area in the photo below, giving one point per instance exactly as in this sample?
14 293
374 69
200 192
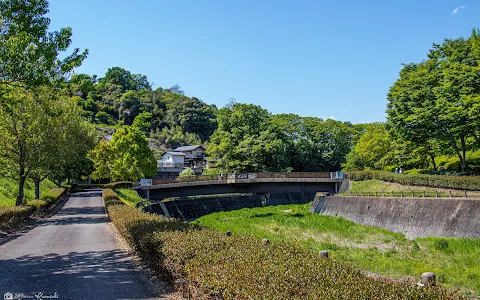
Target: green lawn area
9 189
129 196
455 261
372 186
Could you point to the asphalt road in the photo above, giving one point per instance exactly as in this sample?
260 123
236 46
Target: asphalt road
72 255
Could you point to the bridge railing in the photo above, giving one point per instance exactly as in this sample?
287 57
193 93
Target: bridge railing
225 177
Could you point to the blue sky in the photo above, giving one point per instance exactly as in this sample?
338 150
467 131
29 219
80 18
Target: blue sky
313 58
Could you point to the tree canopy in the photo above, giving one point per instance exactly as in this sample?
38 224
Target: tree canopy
439 98
126 157
29 53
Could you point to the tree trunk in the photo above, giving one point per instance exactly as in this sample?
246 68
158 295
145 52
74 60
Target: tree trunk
21 188
432 157
36 180
457 151
463 161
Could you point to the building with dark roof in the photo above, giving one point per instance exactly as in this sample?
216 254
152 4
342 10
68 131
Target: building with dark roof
194 155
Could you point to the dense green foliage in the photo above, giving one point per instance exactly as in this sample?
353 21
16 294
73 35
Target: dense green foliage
471 183
243 137
438 100
372 249
433 111
29 53
126 157
206 262
125 98
42 132
249 138
187 173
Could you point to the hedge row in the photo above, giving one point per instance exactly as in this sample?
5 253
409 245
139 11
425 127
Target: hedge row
470 183
111 185
118 184
10 217
205 263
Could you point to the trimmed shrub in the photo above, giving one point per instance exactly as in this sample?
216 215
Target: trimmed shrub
471 183
38 205
53 195
118 184
205 263
111 198
12 216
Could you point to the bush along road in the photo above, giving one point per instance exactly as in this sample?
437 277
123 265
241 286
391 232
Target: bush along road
205 263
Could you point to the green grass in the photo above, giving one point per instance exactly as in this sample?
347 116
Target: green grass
129 196
368 248
9 190
372 186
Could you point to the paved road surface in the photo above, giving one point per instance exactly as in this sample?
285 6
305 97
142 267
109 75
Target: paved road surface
74 254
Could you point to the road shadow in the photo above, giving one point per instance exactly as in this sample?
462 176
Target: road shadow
88 210
73 220
93 193
87 275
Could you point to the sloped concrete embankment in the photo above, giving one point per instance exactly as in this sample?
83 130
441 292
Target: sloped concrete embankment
415 217
191 208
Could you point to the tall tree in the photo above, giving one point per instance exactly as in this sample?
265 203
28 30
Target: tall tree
63 144
246 141
126 157
22 131
29 53
439 98
313 144
371 149
102 159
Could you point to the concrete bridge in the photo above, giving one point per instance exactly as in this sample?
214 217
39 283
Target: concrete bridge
251 183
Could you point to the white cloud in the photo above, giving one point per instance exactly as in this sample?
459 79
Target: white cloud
458 9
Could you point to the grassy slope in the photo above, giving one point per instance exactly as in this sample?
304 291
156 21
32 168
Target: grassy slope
129 196
369 248
373 186
9 189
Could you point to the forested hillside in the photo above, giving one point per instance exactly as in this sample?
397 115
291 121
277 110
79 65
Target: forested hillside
244 137
122 98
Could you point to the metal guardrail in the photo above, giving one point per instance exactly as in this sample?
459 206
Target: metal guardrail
413 194
225 177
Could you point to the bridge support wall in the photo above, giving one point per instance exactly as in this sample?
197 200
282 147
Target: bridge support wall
193 208
415 217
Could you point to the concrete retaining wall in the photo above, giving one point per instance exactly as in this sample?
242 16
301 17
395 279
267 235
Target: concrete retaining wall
192 208
415 217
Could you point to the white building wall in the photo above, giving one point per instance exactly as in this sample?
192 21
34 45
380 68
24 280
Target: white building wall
178 159
169 160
